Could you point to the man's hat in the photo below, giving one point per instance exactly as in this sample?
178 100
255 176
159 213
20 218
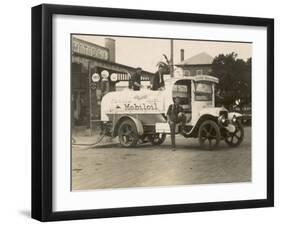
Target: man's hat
177 97
138 68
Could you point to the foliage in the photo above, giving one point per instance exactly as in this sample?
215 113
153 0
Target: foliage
235 79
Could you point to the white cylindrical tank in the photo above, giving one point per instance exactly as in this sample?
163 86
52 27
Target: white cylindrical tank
135 102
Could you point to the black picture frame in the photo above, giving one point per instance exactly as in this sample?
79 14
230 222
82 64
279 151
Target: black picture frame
42 107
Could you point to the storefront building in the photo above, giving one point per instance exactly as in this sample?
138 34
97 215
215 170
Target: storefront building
94 73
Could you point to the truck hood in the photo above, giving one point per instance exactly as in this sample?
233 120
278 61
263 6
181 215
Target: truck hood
214 111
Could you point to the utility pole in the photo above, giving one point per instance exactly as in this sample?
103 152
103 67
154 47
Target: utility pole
90 97
172 58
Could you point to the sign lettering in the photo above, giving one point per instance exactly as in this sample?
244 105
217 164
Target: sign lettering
89 49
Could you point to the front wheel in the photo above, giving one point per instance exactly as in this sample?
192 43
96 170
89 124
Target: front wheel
209 135
235 139
128 134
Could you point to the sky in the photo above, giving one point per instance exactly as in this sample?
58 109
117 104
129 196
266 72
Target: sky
147 52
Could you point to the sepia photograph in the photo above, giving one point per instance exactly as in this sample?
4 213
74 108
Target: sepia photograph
153 112
141 112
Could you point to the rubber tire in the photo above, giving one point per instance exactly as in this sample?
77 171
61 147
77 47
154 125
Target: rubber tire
134 142
239 124
200 134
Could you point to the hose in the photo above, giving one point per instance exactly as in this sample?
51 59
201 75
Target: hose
102 135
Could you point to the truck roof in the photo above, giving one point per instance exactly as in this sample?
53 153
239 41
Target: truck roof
196 78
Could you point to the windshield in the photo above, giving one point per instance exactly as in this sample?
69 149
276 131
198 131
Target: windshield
203 91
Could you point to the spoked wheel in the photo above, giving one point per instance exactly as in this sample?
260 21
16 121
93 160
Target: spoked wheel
209 135
235 139
127 133
157 138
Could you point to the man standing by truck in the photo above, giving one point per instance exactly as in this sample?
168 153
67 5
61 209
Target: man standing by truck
175 115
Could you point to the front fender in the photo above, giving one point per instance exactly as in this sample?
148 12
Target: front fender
232 114
215 112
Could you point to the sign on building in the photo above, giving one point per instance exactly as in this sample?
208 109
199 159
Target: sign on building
89 49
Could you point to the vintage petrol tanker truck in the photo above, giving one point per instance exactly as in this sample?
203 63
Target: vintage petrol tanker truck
140 116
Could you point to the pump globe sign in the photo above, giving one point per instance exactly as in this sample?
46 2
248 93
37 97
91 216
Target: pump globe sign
104 75
95 77
113 77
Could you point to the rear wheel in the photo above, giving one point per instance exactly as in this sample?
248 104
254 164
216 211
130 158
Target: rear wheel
209 135
235 139
157 138
128 134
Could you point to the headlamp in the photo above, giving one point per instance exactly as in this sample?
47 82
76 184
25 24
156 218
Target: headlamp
222 120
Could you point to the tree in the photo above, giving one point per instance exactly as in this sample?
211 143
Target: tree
234 78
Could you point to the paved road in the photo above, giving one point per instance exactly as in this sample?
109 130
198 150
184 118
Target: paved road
111 166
